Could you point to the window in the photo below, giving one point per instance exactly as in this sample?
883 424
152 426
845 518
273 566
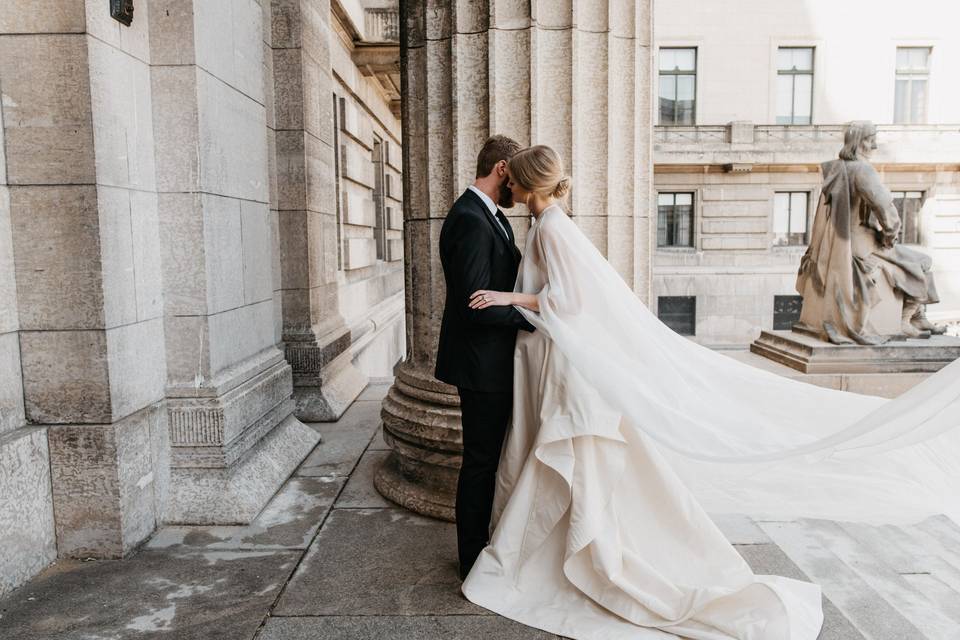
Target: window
794 85
786 311
913 74
337 120
678 86
675 220
908 204
790 219
679 313
379 201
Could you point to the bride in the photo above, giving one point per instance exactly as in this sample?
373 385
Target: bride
625 435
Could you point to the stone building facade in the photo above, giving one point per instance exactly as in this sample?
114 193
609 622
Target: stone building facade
749 108
199 251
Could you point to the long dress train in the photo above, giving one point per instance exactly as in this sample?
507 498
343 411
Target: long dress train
624 435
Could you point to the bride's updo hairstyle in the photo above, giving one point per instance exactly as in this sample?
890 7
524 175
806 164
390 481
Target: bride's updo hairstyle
538 169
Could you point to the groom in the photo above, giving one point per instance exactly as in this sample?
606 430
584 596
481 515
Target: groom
477 251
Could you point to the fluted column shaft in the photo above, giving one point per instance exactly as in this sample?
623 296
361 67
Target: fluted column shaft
575 75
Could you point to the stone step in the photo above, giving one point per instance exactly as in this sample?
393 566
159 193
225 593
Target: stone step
903 595
934 545
769 559
908 555
871 614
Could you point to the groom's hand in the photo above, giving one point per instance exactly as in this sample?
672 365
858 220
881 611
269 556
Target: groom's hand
483 298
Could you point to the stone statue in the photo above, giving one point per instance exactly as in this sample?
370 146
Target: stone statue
858 285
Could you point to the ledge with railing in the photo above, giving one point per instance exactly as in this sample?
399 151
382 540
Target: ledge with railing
745 142
382 25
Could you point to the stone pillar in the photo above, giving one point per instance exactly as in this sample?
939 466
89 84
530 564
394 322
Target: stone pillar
27 537
233 435
577 75
316 337
83 213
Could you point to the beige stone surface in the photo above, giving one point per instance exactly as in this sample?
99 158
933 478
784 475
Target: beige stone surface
65 376
133 39
223 252
240 333
11 383
27 538
147 253
103 478
288 88
46 109
120 92
257 257
171 32
116 256
320 191
181 228
60 281
230 164
175 123
228 36
41 16
8 285
137 362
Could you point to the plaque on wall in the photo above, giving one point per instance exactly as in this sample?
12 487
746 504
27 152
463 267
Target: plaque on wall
122 11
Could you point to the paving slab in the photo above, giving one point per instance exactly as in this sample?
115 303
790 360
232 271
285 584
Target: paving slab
378 562
375 392
870 614
343 441
890 585
360 492
406 627
739 529
378 443
211 596
769 559
289 521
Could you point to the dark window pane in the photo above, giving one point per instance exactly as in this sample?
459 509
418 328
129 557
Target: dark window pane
901 113
677 86
675 220
786 311
668 99
679 313
908 205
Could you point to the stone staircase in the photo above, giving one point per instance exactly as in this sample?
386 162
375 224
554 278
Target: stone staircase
879 582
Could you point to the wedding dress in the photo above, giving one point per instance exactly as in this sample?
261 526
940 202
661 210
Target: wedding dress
625 435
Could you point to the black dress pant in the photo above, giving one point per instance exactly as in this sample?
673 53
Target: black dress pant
485 418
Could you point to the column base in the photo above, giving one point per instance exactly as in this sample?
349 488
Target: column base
236 494
326 396
27 538
421 424
109 483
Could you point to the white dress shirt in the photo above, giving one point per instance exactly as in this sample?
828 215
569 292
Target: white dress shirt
492 207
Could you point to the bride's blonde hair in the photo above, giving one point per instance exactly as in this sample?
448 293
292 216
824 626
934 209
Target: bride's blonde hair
538 169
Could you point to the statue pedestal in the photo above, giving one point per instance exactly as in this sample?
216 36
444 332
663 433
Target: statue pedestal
883 370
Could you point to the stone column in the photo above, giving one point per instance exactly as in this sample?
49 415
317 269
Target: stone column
27 536
316 337
233 435
83 212
576 75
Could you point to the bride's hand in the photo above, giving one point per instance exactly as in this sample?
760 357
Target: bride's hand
482 299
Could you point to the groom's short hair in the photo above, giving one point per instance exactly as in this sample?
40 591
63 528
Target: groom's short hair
495 149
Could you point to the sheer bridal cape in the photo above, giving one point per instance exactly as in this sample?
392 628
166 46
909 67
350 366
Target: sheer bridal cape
625 435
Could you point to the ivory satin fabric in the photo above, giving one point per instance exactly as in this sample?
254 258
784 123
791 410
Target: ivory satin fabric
625 434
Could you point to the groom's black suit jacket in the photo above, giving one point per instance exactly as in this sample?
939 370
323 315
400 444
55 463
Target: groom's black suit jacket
476 346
